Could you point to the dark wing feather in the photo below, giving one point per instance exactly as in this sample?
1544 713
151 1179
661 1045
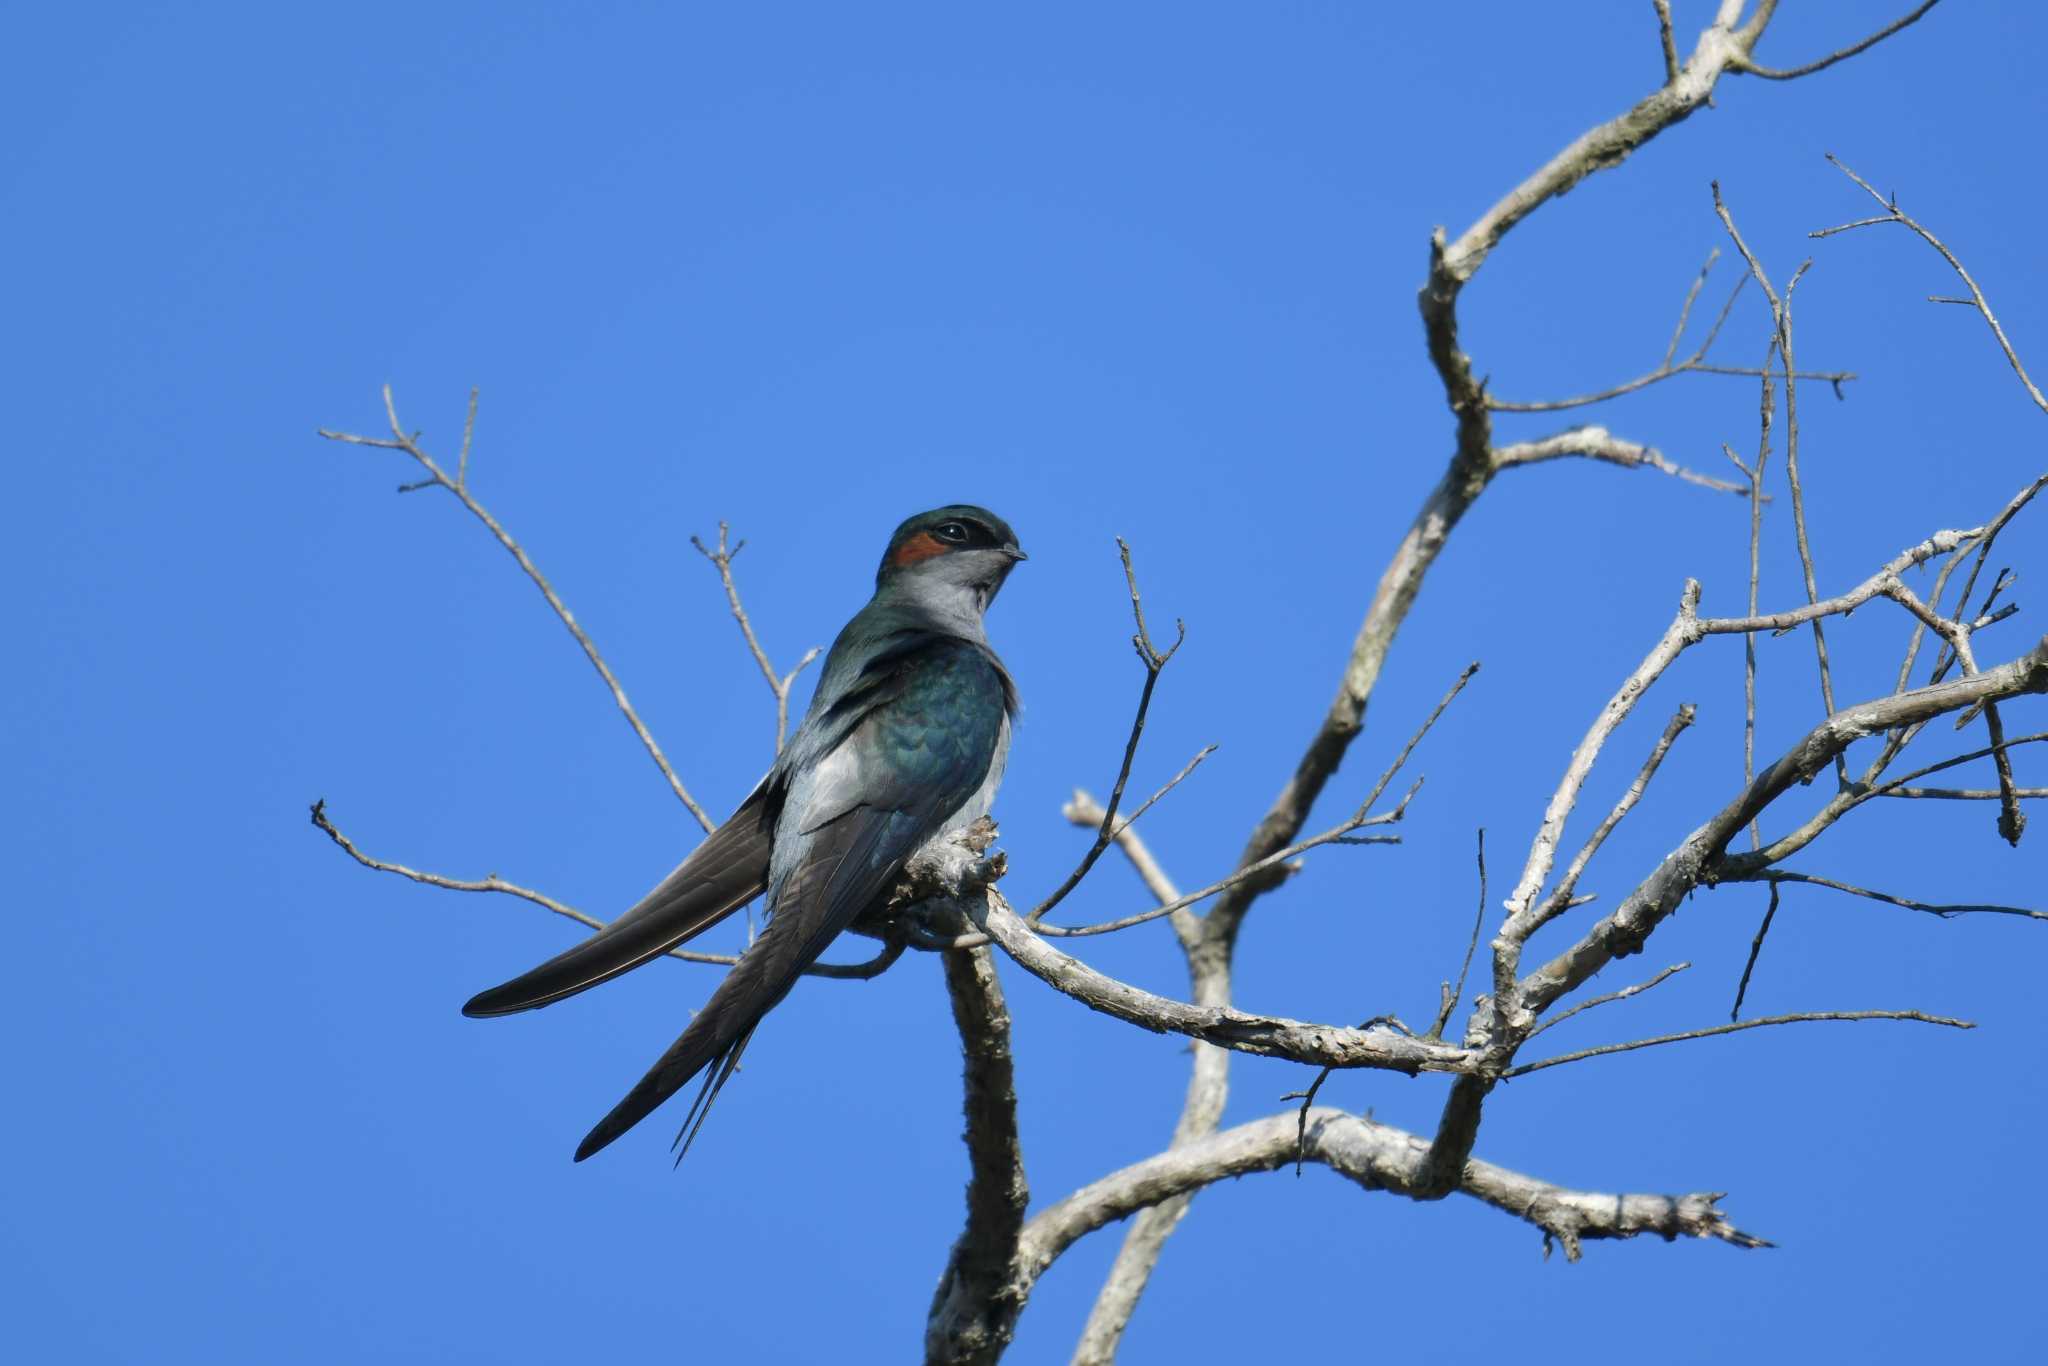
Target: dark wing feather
848 866
928 723
729 869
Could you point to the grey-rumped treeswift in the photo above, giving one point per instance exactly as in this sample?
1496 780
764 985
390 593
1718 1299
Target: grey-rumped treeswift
903 743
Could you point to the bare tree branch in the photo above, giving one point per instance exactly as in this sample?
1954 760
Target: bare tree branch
778 684
1761 1022
1453 264
1892 215
1756 947
1270 1036
1597 443
1561 896
1208 1090
1774 876
1749 68
1452 995
1781 320
1155 662
400 440
975 1308
1695 364
948 902
1377 1157
1666 40
1624 994
1703 856
1083 810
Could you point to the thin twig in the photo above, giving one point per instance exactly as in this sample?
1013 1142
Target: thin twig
1756 533
400 440
1452 995
1387 775
1083 810
1893 215
1666 41
468 435
1806 1017
1154 662
1774 876
778 684
1555 904
1750 68
1756 946
1781 318
1968 794
1336 834
1624 994
1898 784
1169 785
1694 364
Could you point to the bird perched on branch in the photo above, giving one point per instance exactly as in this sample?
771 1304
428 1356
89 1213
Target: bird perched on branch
904 742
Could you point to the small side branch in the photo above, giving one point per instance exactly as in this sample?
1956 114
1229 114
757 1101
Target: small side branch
1775 876
1083 810
1274 864
1781 334
1893 215
778 684
1561 897
1376 1157
1270 869
1762 1022
1154 661
1670 366
1451 995
1703 856
1597 443
1271 1036
1624 994
1756 948
1666 40
401 440
1750 68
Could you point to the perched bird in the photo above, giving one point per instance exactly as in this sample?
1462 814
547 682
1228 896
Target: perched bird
904 742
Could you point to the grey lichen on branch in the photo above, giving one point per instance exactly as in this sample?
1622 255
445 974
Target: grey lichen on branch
1376 1157
977 1302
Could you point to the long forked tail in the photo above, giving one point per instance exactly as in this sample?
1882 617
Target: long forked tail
711 1045
846 865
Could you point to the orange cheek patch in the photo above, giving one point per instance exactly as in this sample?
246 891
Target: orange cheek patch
922 546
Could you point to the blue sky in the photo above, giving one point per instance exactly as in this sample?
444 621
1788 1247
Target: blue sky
1145 271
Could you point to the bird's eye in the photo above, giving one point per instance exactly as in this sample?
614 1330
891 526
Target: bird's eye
951 531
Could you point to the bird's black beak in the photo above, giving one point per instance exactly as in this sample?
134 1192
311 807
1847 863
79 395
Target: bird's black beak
1014 553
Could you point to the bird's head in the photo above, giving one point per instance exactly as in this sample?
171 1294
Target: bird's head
959 549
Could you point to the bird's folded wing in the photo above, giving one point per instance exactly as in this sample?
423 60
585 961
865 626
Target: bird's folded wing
722 874
846 868
929 731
